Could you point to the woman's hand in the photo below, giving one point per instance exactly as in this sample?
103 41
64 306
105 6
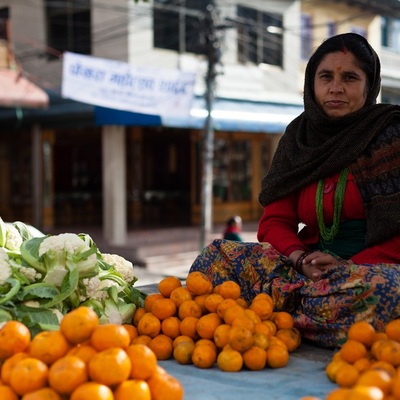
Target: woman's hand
316 263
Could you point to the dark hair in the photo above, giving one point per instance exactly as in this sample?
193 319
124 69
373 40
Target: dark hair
234 220
366 58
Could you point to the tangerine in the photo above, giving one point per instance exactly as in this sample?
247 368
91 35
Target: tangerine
255 358
162 346
14 338
143 361
198 283
168 284
110 335
132 389
92 391
49 346
164 386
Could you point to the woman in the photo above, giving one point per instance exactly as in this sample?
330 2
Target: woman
233 228
336 172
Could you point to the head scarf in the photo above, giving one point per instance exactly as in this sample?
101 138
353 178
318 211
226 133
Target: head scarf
315 146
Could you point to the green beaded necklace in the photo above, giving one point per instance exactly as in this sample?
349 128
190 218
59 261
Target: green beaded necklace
329 233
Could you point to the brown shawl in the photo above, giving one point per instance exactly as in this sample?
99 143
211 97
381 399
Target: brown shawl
315 146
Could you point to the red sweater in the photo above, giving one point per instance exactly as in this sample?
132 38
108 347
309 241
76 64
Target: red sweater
280 221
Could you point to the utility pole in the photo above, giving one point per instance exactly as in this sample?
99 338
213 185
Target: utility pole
211 42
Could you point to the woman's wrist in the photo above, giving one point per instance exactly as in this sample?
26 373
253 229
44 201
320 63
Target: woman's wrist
298 265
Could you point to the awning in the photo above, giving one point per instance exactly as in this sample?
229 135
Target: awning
17 91
228 115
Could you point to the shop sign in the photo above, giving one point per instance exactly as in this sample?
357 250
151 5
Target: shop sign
122 86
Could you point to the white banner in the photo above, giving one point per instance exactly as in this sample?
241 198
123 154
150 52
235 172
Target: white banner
122 86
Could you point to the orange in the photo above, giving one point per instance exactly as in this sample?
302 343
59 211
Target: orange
291 337
212 301
67 373
132 330
263 308
198 283
244 321
150 299
183 352
182 338
240 338
204 356
255 358
110 366
396 386
163 308
338 394
138 314
392 330
384 365
171 327
260 327
179 295
362 331
84 351
149 325
78 324
277 356
362 364
207 324
378 378
164 386
201 301
189 327
6 393
206 342
282 319
252 315
229 290
162 346
28 375
168 284
274 341
224 305
14 338
233 312
9 364
347 375
132 389
189 308
242 302
271 326
261 340
389 351
353 350
45 393
143 339
333 367
49 346
360 392
230 360
110 335
143 361
92 391
263 296
221 335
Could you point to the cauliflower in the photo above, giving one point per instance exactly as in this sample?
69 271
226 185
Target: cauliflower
13 238
96 289
30 273
5 268
121 265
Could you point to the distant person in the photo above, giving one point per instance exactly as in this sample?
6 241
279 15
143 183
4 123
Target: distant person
233 229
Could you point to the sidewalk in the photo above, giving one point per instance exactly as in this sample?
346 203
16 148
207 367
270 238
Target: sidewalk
159 252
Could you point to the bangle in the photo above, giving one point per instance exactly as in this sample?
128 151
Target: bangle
298 266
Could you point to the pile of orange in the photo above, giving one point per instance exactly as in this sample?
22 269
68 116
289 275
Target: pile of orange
367 366
203 325
83 360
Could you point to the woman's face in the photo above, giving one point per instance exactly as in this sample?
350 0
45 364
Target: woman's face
340 85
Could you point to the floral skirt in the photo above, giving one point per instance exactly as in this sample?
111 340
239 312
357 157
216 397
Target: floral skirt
323 310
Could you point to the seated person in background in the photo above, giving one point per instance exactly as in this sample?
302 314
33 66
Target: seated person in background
337 171
233 228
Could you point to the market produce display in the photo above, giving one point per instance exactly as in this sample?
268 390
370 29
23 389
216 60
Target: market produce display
82 360
44 277
196 323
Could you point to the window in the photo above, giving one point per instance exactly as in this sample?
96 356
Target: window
391 33
69 25
176 24
306 36
260 38
4 23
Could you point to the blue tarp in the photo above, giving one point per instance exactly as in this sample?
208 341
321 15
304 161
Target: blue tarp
304 375
227 115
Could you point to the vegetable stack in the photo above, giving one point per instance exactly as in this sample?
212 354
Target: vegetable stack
44 277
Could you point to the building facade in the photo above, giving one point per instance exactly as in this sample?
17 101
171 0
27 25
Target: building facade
120 170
